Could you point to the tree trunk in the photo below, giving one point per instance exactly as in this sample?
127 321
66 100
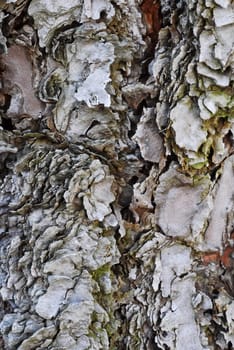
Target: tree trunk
117 178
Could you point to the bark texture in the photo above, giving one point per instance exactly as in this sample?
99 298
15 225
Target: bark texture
117 174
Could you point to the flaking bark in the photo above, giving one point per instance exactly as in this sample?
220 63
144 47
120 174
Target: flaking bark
116 152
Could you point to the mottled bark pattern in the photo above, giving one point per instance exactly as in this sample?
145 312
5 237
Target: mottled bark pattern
117 174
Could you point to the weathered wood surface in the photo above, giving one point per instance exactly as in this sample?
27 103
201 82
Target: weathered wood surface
117 180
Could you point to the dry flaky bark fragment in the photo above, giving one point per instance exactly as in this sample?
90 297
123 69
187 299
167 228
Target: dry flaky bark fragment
148 138
38 338
177 191
3 46
50 16
116 147
51 272
18 82
219 229
195 108
59 195
93 186
187 125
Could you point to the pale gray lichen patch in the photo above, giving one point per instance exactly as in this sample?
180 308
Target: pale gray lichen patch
213 102
38 338
93 89
187 125
60 220
223 205
224 16
50 273
2 37
49 16
93 186
94 10
230 317
223 48
179 322
177 191
148 137
207 45
175 261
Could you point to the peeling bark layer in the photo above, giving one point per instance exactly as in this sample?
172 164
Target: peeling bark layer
116 152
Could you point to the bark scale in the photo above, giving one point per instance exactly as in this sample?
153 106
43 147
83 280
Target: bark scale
116 146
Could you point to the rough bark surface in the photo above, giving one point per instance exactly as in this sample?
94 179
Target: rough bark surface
117 174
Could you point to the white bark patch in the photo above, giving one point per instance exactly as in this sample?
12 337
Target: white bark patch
92 9
99 56
223 204
93 90
178 326
224 16
180 320
181 209
141 203
212 101
230 321
187 125
148 138
38 338
89 73
175 261
58 202
207 43
97 125
178 210
49 303
94 187
223 3
214 76
224 47
50 15
82 291
76 318
64 340
64 265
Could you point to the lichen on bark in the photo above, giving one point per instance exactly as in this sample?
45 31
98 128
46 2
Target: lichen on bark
116 148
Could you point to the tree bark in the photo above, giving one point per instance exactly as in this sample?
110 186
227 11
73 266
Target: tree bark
116 199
